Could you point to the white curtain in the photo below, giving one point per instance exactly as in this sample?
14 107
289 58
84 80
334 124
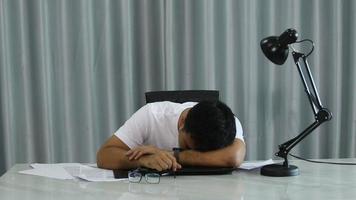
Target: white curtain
72 71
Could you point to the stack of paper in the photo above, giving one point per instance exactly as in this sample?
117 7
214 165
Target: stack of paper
255 164
68 171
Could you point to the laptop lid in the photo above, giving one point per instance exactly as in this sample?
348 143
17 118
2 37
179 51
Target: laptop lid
185 171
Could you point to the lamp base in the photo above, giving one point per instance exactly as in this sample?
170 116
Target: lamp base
279 170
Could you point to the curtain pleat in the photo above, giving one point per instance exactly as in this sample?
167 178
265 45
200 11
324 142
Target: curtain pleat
72 72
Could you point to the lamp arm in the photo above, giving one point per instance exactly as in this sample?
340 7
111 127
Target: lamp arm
308 81
321 114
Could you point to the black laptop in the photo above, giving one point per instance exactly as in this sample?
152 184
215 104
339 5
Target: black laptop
185 171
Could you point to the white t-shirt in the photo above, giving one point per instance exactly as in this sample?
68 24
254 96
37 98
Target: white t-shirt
157 124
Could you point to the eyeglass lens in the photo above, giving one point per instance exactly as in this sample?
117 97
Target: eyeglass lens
135 177
152 177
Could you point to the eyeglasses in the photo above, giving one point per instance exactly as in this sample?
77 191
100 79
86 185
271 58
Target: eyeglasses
135 176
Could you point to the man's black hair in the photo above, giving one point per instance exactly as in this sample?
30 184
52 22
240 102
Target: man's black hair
211 125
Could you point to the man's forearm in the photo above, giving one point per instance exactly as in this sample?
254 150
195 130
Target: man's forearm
196 158
115 158
231 156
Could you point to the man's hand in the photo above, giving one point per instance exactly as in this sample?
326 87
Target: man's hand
154 158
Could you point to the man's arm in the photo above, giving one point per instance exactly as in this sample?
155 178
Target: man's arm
111 155
115 154
230 156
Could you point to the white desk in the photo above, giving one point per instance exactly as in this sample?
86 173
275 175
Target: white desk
316 181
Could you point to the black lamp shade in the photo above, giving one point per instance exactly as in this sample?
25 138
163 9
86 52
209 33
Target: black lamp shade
276 48
274 51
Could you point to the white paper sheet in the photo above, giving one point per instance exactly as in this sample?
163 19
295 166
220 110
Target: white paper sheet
249 165
54 165
52 172
65 171
94 174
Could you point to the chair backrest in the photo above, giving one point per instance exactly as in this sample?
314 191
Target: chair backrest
181 96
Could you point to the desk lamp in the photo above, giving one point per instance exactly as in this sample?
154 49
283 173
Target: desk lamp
276 49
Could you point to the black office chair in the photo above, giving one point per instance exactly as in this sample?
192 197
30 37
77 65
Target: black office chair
181 96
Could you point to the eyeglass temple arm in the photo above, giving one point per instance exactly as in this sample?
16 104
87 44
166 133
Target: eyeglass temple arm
321 114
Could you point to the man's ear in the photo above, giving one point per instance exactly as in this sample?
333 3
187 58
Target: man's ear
181 124
182 120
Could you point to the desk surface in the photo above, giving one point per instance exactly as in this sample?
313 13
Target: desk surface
316 181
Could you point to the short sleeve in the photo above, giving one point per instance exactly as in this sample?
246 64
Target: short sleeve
135 129
239 131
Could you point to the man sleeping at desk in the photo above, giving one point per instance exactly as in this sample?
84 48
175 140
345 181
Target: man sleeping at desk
166 136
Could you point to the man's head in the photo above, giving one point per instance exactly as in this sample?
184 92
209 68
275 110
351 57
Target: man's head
210 125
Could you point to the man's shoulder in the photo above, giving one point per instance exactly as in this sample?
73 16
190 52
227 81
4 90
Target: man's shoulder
168 107
163 104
